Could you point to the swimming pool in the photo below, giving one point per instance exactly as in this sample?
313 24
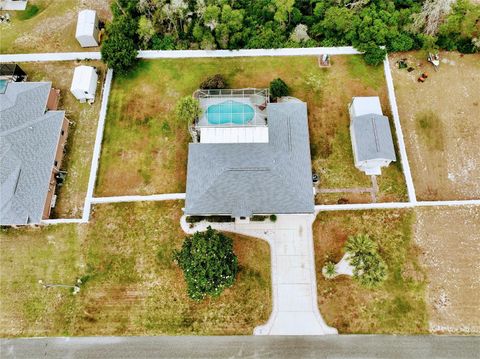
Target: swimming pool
230 112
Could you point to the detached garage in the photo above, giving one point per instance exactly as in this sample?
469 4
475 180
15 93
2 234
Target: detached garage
87 28
84 83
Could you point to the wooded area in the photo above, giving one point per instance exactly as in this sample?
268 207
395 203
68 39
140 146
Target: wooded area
399 25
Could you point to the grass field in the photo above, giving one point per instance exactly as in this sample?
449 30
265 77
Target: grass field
131 285
48 26
145 149
441 124
82 130
398 306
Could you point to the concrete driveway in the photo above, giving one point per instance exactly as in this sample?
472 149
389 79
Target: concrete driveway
294 287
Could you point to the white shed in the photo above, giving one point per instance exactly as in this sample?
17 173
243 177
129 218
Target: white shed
87 28
84 83
372 141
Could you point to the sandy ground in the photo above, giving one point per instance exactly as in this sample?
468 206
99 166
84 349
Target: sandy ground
449 239
453 94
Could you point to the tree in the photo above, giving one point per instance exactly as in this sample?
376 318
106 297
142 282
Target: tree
145 30
118 49
374 55
329 271
214 82
284 9
188 109
432 15
208 262
369 269
278 88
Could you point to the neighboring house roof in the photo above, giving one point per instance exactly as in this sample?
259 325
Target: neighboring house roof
29 138
373 138
366 105
241 179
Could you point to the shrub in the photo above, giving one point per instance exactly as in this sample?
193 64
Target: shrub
369 269
374 55
208 263
273 217
257 218
118 49
211 219
188 109
214 82
278 88
329 270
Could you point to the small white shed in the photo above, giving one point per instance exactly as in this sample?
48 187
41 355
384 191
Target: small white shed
372 141
87 28
84 83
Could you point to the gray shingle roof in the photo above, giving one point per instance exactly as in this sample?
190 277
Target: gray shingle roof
373 138
28 142
242 179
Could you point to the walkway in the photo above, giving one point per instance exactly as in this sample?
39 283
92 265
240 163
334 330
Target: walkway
294 288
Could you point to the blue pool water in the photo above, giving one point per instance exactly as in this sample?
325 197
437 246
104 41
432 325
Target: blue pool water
3 86
230 112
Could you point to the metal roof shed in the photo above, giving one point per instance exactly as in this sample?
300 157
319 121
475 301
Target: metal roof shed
87 28
84 83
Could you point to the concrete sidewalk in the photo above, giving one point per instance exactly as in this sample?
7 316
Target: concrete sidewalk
294 286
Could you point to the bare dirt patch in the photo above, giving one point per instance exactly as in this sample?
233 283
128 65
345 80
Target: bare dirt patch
449 239
441 124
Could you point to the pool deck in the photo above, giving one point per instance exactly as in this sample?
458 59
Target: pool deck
205 103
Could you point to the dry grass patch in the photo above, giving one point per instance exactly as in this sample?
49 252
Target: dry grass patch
82 131
449 239
131 285
441 124
48 26
398 305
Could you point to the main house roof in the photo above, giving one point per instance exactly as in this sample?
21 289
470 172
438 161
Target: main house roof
373 138
28 141
241 179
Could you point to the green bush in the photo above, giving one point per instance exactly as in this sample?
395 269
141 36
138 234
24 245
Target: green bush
273 217
278 88
369 269
329 270
374 55
118 49
208 263
211 219
188 109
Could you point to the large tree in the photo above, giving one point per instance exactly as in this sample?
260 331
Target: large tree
208 263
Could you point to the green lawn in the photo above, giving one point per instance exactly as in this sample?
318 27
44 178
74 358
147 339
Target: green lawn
81 132
145 148
131 286
398 306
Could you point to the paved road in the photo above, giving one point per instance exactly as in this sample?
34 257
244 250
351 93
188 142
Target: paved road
332 347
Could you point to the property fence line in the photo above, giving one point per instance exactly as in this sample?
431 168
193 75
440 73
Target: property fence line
154 197
97 147
52 56
183 54
61 221
398 129
394 205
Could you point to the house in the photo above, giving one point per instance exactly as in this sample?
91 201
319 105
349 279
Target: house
371 137
11 5
87 28
84 83
32 139
254 176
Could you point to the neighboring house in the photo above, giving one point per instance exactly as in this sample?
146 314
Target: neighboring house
32 140
84 83
13 4
245 175
87 33
372 141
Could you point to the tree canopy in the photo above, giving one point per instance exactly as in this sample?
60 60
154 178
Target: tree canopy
399 25
208 263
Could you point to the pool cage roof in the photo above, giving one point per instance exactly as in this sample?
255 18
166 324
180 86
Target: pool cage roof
257 98
12 72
